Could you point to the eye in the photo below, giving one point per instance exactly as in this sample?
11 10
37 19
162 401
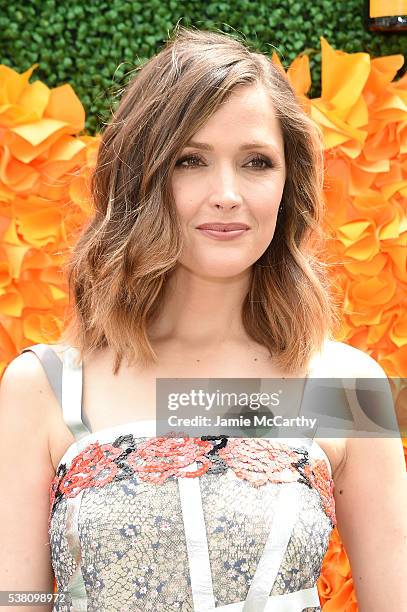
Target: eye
264 160
188 158
258 159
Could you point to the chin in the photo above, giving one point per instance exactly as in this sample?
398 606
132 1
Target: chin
217 269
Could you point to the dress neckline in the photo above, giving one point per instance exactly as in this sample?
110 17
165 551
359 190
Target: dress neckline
145 430
147 426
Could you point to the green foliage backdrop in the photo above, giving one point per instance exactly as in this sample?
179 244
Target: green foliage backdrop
95 45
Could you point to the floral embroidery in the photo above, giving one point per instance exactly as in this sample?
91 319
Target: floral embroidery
255 460
159 458
93 467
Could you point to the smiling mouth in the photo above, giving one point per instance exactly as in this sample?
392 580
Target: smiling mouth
223 234
225 228
210 229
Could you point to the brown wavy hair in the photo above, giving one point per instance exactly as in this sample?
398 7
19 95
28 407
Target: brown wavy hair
118 268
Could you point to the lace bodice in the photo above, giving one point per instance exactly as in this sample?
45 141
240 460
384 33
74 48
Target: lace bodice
139 522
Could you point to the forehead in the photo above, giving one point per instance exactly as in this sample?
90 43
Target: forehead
248 111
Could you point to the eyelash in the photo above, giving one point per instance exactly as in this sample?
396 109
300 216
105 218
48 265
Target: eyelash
197 158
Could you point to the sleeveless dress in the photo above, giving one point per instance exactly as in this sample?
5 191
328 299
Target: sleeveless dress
142 523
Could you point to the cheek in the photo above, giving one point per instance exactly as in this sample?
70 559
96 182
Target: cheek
186 200
265 210
185 187
265 215
186 211
266 196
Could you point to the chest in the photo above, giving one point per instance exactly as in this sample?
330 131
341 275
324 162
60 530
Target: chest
132 393
109 400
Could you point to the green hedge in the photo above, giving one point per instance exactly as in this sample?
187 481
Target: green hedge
94 45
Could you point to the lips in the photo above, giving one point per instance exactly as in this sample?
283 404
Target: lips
223 227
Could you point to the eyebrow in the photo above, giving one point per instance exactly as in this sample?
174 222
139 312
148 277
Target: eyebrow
255 144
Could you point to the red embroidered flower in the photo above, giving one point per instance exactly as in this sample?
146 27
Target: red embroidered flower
157 459
320 478
93 467
258 461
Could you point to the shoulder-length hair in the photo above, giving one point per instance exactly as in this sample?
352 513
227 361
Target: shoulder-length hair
118 268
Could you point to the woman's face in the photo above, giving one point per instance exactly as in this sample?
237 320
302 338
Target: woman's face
221 176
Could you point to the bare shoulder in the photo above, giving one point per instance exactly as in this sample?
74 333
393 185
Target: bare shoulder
345 360
25 378
24 368
26 393
340 360
28 397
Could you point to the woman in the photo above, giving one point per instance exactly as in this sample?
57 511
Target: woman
207 134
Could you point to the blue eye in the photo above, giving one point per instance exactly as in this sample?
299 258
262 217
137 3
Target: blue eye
195 158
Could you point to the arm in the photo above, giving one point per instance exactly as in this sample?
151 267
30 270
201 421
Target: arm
371 509
26 472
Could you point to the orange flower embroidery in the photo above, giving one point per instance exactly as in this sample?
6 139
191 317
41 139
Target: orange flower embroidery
159 458
93 467
258 461
156 459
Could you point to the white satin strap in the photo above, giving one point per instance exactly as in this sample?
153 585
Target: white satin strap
290 602
72 393
285 516
197 543
258 597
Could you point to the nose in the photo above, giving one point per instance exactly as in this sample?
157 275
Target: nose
226 203
226 193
